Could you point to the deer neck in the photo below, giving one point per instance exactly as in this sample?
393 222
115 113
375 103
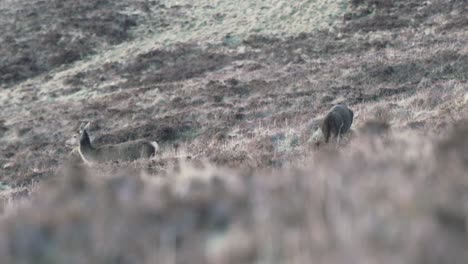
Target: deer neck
87 151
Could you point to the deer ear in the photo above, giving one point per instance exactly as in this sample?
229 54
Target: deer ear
84 136
84 126
87 125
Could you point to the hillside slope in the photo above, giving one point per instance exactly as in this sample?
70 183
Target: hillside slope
251 91
242 86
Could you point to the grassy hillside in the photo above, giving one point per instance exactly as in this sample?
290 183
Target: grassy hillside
234 93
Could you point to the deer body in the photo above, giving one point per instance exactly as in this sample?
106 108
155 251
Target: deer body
126 151
337 122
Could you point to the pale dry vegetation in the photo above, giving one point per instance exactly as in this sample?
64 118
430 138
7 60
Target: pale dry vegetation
380 200
235 99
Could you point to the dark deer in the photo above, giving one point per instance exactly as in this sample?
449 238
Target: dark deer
337 122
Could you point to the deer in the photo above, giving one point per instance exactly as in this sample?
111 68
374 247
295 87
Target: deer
126 151
337 122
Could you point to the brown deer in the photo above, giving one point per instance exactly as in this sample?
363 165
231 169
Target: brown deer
126 151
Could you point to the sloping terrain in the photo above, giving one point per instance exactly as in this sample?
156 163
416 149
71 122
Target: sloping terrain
243 86
134 81
256 94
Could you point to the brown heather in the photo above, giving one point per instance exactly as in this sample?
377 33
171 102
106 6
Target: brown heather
234 95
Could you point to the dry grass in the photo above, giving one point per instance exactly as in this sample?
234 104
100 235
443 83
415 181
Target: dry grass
234 99
378 200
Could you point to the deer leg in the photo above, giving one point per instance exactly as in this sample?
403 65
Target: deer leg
339 135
